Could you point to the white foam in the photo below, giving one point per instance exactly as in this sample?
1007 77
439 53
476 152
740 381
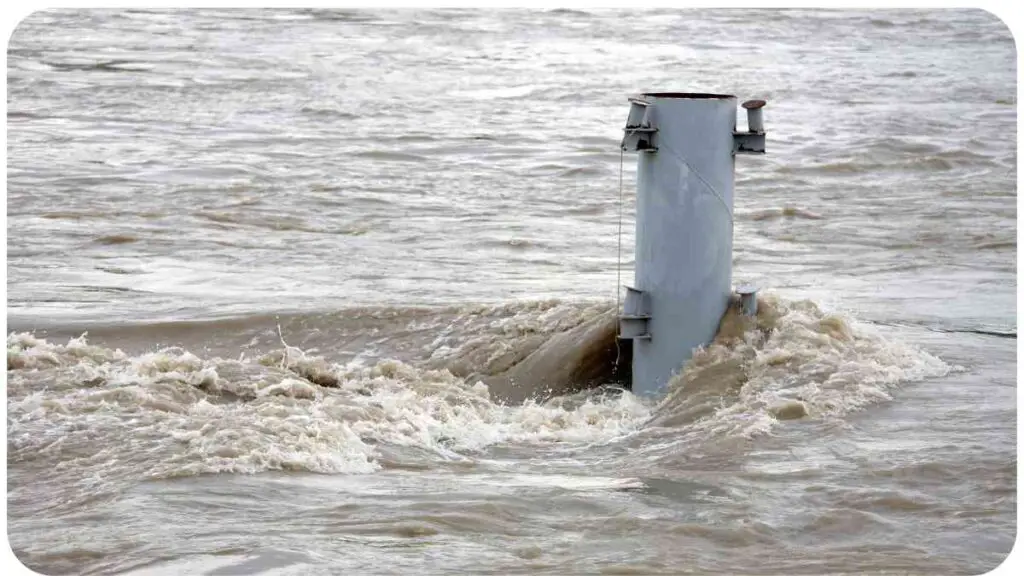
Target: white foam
176 413
181 414
796 361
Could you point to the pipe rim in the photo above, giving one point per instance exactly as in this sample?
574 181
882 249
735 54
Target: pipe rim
689 95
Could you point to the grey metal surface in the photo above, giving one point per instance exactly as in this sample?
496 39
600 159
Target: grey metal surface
683 230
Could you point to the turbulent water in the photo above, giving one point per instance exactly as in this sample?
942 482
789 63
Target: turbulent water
320 292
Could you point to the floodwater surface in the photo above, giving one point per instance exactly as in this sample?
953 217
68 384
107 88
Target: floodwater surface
272 274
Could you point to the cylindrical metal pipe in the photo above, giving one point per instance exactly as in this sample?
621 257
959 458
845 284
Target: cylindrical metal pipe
748 300
683 230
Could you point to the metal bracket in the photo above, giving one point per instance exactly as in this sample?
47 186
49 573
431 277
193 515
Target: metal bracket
748 142
639 134
636 315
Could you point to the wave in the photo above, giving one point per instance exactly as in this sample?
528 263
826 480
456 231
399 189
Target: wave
792 361
277 223
390 155
114 239
473 377
784 212
286 410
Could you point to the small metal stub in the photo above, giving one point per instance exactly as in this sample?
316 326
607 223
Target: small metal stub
748 300
755 115
753 140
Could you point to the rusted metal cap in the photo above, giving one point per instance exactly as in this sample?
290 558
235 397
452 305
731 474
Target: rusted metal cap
754 104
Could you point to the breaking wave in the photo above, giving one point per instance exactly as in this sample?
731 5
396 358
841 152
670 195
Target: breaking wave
179 414
792 361
514 374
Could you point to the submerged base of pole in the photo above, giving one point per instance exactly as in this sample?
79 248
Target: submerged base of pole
743 300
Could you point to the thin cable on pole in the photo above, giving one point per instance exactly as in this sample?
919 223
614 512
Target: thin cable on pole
618 269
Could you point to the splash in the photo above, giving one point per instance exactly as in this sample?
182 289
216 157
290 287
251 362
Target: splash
534 350
516 374
172 413
792 361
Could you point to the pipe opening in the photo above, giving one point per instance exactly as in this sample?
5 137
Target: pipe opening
692 95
